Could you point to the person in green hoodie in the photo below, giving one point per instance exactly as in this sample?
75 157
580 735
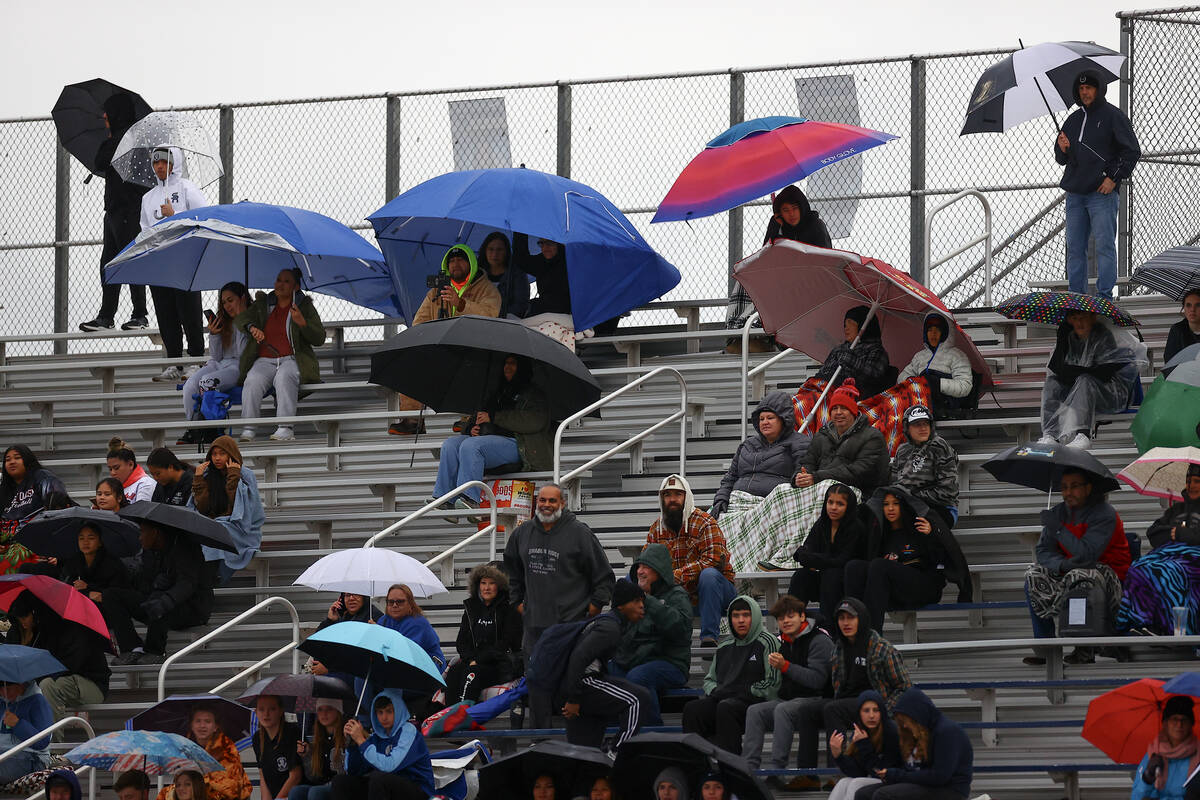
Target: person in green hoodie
740 676
655 652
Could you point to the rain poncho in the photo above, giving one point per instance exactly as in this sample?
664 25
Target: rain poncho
1088 377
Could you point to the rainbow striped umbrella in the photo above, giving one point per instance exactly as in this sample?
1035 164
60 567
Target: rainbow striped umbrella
153 752
1051 308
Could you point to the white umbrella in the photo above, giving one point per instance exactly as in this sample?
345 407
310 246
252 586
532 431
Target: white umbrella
201 158
370 571
1161 472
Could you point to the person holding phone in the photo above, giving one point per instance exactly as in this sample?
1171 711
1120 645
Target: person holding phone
225 346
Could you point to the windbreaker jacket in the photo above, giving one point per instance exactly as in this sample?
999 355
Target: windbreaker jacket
483 299
758 466
182 194
885 666
945 358
1103 145
596 644
303 339
859 457
665 633
399 751
951 755
739 667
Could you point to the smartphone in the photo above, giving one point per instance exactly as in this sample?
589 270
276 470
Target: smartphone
209 315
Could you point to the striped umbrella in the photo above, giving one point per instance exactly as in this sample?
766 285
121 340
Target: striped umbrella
1173 272
1051 308
153 752
1161 472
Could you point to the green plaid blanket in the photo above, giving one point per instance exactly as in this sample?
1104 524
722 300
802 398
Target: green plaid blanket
771 527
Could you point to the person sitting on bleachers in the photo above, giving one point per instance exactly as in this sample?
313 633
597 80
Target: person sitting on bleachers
1172 756
225 346
25 486
392 763
1091 372
946 368
549 269
227 492
110 495
63 784
927 466
1186 332
846 449
510 282
132 785
489 637
1166 577
325 755
1082 543
347 607
283 328
122 465
938 757
873 743
836 538
276 749
90 569
174 477
866 362
770 456
228 783
25 713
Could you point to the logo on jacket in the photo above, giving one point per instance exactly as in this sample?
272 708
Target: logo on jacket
753 658
387 751
281 764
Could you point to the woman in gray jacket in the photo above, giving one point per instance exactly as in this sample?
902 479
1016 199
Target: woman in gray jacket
225 345
767 458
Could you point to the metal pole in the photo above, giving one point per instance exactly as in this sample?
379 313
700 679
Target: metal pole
737 113
391 169
916 201
62 234
563 166
1124 218
225 192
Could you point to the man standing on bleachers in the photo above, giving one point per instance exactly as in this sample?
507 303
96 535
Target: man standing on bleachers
699 554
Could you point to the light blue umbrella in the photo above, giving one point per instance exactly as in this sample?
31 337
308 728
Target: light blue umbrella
21 664
153 752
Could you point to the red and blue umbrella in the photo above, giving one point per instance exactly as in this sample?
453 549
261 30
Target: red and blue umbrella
1051 308
153 752
757 157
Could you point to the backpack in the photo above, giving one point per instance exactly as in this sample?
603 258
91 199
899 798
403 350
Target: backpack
548 661
215 404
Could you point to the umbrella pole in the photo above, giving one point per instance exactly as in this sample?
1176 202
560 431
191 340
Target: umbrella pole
366 680
836 372
1053 116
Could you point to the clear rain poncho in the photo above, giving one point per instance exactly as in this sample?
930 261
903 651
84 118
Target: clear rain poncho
1088 377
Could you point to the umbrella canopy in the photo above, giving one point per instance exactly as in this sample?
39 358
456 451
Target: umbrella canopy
1122 722
1040 466
55 533
573 767
1051 308
20 664
152 752
200 159
610 267
1161 472
61 598
1185 356
1169 415
756 157
452 364
1173 272
1033 81
370 571
383 656
205 248
642 757
180 520
1183 683
174 715
297 693
79 117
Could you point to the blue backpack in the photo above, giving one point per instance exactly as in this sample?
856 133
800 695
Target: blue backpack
548 661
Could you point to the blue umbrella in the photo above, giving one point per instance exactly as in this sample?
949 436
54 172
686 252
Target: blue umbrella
610 267
1184 683
374 653
251 242
153 752
21 664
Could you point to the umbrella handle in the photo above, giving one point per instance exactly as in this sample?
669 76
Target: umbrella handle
363 691
833 379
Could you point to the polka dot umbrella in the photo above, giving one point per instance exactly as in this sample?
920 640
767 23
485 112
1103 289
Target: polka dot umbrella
1051 308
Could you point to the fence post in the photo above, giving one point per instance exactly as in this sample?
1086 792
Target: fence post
225 191
737 113
1124 218
563 166
916 181
62 234
391 166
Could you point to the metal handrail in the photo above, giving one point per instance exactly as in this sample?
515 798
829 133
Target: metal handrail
749 374
680 415
985 240
65 722
433 505
206 638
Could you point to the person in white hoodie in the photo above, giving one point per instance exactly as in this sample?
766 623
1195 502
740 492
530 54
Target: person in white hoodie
944 366
178 311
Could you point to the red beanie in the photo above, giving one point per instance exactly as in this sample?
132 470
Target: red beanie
845 395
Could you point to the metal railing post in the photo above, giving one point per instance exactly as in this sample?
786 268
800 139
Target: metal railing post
750 320
225 190
65 722
563 147
62 235
391 166
1124 217
737 113
985 240
916 179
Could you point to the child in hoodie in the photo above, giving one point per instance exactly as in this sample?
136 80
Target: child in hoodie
63 784
227 492
390 764
937 756
873 743
946 368
25 713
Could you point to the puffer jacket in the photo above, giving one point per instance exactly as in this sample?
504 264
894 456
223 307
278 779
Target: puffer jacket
665 633
928 471
758 466
858 457
945 358
490 633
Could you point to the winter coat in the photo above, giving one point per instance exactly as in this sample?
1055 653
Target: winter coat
1179 336
177 493
554 288
1082 538
78 648
483 300
490 633
806 663
951 755
172 577
119 196
1178 771
417 628
527 417
302 339
33 714
557 573
513 286
885 666
858 457
1103 144
139 485
928 471
105 572
1184 517
809 230
821 550
230 783
739 667
595 645
399 750
182 194
698 546
665 633
938 551
865 759
758 466
945 358
866 362
30 495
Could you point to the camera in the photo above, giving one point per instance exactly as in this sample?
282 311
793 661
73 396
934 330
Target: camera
437 281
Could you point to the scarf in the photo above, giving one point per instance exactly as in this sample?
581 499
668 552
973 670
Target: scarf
1188 749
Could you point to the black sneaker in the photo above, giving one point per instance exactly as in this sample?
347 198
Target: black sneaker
189 437
135 324
152 658
97 324
127 659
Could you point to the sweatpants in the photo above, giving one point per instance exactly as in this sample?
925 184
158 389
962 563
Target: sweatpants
601 701
883 584
722 722
376 786
802 715
281 373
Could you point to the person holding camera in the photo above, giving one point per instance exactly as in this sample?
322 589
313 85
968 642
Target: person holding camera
460 288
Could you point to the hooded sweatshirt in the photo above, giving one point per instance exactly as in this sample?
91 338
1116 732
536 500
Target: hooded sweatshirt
182 194
241 513
1184 517
806 662
809 230
554 287
823 550
739 667
936 553
65 777
928 470
481 295
758 466
33 714
698 546
951 755
675 776
556 573
399 750
1103 144
865 759
665 633
947 359
885 670
1081 538
490 633
858 457
119 196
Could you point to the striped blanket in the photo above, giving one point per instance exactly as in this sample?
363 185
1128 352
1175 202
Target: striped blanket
885 410
770 528
1165 577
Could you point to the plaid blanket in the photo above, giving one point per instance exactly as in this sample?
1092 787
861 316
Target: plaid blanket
771 527
885 410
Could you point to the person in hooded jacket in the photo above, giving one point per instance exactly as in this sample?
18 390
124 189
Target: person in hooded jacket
873 743
938 759
946 369
178 311
862 660
837 537
549 269
25 486
282 328
770 456
926 465
25 713
63 784
861 356
510 282
656 651
122 207
1098 149
226 491
489 637
1172 756
847 449
392 763
1186 332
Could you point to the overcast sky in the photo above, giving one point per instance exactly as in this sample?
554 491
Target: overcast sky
181 53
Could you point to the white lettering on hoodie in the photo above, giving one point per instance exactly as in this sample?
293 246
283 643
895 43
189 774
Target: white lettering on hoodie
182 194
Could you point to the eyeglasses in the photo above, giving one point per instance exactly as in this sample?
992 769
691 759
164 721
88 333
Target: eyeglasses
401 602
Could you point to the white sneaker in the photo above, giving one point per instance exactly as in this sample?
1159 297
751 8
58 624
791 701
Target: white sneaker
247 435
1081 441
169 375
283 434
1047 440
191 370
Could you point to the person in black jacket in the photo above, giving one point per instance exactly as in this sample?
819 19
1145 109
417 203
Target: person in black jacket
837 537
26 487
549 269
939 759
512 283
1186 332
847 449
772 455
122 218
91 570
174 477
489 637
872 744
1098 149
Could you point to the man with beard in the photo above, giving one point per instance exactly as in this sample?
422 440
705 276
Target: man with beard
699 555
557 572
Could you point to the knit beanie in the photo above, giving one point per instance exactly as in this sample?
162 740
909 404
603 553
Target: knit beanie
1088 79
845 395
625 591
1181 705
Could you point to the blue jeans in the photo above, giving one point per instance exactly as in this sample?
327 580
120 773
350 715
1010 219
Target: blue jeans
1042 628
1092 216
655 676
21 765
322 792
464 458
715 592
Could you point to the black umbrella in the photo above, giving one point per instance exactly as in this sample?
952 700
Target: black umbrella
79 117
181 520
174 715
641 758
1173 272
452 364
574 769
298 693
1040 466
54 533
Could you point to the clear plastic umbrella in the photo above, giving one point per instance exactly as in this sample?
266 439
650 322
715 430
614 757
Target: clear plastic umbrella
201 159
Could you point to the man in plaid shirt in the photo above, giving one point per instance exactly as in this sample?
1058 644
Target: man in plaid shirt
699 554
